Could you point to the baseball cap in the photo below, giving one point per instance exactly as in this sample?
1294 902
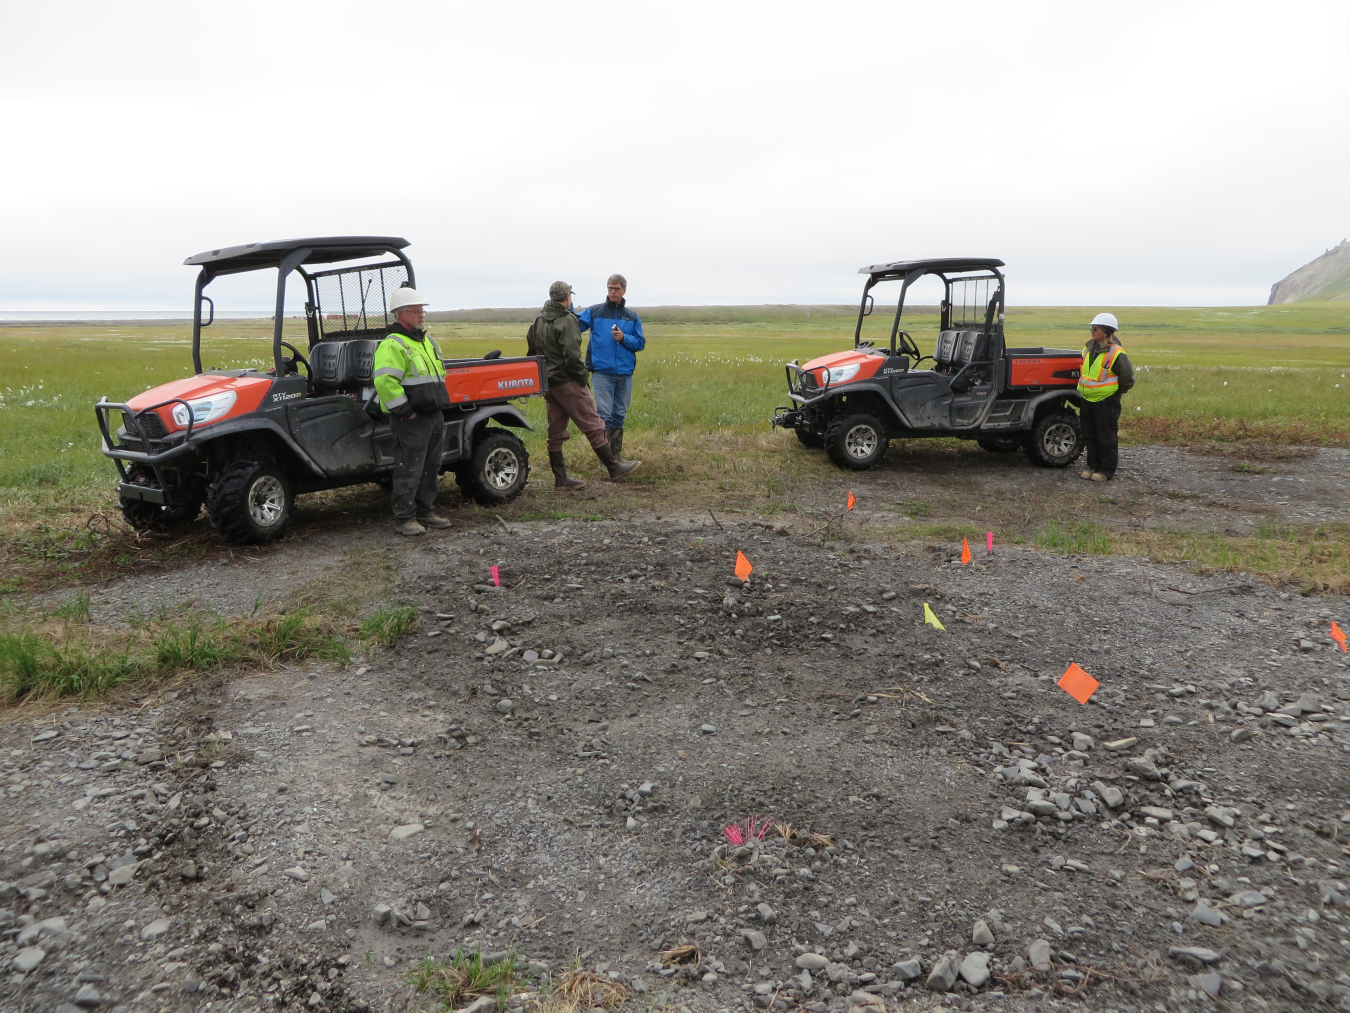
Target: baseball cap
559 291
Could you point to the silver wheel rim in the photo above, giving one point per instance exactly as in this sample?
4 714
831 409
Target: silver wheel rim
1059 440
861 442
501 469
266 501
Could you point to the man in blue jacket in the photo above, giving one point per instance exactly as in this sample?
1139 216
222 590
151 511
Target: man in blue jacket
611 356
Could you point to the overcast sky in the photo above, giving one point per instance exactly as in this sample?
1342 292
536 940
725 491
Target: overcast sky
1143 153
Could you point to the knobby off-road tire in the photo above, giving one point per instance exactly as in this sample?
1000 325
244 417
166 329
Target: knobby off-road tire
497 472
249 501
1055 440
856 442
809 438
1001 444
145 516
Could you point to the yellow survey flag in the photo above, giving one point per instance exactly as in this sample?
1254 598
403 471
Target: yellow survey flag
931 619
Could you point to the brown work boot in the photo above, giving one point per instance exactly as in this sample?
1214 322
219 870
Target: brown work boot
616 470
559 466
1085 474
1097 476
434 520
410 527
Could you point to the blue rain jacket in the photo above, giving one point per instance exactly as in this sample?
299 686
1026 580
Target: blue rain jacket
603 353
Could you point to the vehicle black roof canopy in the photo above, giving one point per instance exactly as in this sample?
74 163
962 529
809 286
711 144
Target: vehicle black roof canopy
323 250
942 265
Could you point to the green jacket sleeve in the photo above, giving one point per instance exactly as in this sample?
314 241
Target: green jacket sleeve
1124 369
390 365
571 345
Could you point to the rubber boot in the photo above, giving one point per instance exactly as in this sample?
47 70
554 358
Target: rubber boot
559 466
616 470
616 443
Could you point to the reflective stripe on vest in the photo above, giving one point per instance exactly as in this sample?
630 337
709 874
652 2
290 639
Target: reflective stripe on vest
1095 381
417 375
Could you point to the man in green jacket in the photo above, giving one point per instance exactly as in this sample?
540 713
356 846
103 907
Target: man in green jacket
556 336
410 382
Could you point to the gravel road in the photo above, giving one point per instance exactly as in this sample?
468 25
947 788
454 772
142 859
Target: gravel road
549 767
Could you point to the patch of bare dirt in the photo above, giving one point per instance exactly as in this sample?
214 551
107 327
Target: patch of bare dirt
551 768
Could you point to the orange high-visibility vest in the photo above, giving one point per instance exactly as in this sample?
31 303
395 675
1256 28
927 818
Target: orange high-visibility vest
1096 381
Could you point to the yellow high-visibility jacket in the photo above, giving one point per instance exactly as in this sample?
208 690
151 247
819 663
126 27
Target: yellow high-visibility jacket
409 372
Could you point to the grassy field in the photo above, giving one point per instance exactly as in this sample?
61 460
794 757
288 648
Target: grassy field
710 378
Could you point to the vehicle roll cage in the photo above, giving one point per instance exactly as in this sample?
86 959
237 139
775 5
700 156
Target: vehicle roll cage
285 256
912 270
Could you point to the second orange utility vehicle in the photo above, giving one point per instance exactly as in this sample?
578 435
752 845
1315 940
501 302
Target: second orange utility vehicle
853 403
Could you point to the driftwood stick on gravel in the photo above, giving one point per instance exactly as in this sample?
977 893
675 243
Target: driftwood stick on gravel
714 518
1207 590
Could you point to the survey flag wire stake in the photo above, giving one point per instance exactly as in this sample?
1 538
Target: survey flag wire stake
851 500
931 619
1337 634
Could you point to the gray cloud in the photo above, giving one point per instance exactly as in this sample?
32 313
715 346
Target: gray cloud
714 153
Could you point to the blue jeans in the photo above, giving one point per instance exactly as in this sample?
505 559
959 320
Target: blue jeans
612 394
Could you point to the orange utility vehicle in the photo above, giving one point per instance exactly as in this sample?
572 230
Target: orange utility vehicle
853 403
245 442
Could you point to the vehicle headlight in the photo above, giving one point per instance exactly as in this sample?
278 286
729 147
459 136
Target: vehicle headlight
204 409
841 374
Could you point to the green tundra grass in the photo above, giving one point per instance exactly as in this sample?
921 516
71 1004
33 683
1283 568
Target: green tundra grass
1269 375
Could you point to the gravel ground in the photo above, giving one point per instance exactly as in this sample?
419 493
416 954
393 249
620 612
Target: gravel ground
550 767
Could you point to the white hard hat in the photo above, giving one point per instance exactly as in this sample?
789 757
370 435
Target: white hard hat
1106 320
405 297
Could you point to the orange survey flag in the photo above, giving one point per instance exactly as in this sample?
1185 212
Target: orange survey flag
1337 635
1077 683
851 500
743 566
965 551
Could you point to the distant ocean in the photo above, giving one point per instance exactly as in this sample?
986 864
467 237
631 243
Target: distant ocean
98 316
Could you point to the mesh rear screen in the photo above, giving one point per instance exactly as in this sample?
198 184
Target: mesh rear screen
355 300
970 301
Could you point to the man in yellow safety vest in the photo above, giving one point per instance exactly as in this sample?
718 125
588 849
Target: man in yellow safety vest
410 382
1106 374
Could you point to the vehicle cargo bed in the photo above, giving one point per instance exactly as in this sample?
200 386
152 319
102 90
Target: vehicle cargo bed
1043 367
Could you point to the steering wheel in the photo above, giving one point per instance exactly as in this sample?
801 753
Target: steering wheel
907 345
296 360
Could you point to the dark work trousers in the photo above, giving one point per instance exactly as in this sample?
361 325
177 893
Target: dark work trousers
1101 436
571 400
417 463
